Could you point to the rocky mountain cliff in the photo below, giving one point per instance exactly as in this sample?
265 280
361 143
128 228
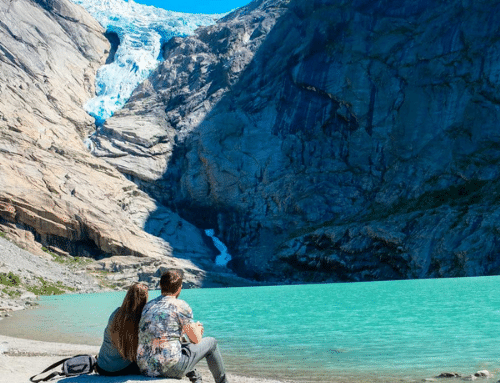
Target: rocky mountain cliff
327 140
53 193
322 140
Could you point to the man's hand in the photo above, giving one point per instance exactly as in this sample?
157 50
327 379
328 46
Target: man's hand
201 327
194 331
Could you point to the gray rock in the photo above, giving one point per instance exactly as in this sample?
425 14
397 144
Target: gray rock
53 192
483 374
449 375
323 141
330 140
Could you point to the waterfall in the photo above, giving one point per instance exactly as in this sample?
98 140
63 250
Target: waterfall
224 257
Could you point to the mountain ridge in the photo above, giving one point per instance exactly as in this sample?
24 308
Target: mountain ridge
323 141
354 141
54 195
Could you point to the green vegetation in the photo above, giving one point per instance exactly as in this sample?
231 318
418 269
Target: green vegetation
60 284
13 287
12 293
69 260
105 284
11 282
2 234
48 251
10 279
46 288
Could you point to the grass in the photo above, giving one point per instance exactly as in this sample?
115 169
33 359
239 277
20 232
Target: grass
11 282
10 279
12 293
46 288
13 286
69 260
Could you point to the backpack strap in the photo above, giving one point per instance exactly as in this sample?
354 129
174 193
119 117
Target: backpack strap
55 373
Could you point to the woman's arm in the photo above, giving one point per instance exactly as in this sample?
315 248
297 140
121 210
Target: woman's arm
194 331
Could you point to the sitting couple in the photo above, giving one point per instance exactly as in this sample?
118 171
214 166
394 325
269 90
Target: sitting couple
146 337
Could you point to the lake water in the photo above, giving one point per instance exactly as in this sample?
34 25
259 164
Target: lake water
347 332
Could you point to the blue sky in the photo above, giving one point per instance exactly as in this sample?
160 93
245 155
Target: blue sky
196 6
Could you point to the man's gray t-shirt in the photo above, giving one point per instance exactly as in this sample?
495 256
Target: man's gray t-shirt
109 358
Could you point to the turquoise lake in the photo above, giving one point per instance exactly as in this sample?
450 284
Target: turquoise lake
347 332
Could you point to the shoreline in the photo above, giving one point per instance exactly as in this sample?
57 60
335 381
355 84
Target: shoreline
22 358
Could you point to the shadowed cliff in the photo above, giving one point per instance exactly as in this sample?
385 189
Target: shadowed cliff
329 140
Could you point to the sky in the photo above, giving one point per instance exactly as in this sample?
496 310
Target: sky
196 6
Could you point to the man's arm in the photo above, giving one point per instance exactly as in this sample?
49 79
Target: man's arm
194 331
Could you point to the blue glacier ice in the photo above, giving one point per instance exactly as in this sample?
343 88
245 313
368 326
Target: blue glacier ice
142 31
224 257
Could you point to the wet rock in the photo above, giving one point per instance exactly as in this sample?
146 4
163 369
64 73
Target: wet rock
483 374
449 375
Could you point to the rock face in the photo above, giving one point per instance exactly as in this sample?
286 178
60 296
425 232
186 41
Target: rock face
328 140
53 192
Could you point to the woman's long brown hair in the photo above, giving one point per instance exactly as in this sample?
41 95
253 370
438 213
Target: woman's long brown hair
124 329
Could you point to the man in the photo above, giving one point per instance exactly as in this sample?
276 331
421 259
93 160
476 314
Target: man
164 320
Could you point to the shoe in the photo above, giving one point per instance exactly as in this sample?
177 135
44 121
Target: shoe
194 376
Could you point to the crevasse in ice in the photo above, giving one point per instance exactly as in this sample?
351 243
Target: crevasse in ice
142 31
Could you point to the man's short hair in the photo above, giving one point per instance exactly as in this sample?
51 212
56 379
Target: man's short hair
170 281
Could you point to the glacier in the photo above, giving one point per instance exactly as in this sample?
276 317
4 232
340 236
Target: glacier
142 31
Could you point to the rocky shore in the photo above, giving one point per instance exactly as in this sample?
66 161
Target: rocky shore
24 276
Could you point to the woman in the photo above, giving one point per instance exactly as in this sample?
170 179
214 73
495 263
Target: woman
118 352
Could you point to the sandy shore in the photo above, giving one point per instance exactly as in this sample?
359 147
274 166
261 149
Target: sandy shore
22 358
